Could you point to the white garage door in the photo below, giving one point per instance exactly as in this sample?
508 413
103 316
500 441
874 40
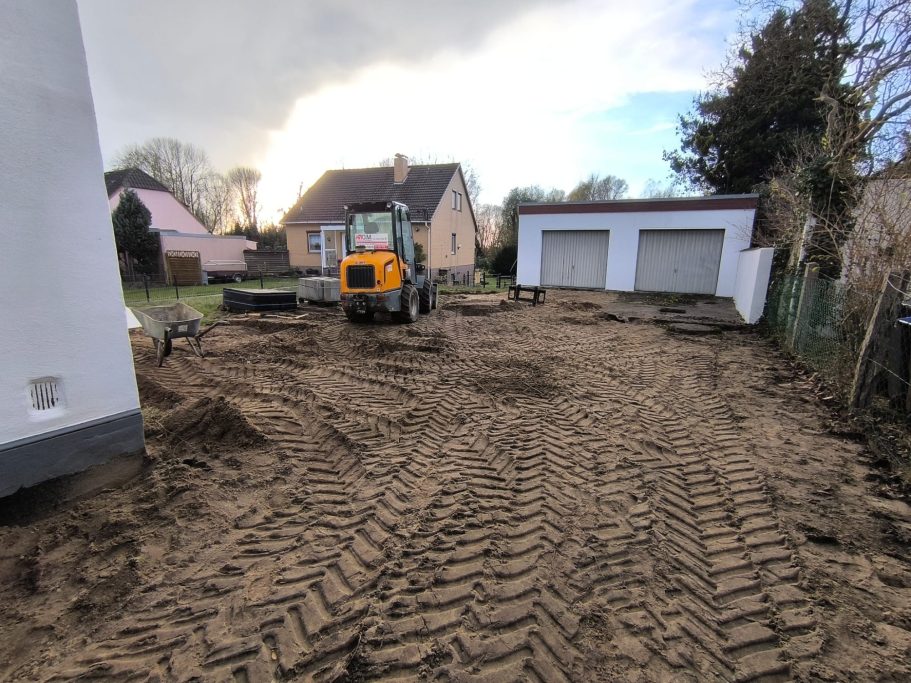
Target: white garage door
683 261
574 258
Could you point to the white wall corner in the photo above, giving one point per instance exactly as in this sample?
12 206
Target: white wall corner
754 268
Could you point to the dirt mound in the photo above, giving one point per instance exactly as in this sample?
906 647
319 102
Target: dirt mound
572 320
580 306
475 309
270 325
151 393
665 299
428 345
211 422
695 329
471 309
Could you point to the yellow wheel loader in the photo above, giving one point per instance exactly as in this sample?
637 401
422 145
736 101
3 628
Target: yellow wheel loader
379 273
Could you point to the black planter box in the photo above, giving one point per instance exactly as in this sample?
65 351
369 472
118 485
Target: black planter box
259 299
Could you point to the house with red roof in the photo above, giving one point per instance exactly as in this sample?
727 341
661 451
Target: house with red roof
441 214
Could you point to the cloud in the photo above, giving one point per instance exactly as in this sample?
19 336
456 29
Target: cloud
221 73
528 91
527 106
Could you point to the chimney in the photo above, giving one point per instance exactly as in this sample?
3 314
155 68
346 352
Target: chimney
400 169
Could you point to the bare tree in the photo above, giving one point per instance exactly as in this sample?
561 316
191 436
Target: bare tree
218 205
472 183
655 190
488 218
245 183
181 167
803 221
596 188
879 73
881 239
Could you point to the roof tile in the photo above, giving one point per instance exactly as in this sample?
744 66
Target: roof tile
325 200
134 178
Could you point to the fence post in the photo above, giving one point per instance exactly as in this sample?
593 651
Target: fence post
176 290
261 285
810 274
145 281
876 341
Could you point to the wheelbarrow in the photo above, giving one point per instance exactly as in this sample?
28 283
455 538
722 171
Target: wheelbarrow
166 323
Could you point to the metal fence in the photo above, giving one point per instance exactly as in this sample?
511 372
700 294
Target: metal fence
807 319
148 292
831 327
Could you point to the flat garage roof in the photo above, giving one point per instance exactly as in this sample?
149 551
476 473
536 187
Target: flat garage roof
719 202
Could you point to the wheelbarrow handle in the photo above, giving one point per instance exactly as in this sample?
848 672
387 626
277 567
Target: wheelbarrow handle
210 328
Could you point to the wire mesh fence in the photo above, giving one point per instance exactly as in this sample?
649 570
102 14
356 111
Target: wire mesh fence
828 325
151 293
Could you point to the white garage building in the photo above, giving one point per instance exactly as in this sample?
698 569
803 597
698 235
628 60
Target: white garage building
688 245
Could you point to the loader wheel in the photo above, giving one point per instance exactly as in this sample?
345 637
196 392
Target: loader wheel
410 305
427 297
436 295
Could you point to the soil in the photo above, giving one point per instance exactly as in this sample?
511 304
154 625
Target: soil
539 494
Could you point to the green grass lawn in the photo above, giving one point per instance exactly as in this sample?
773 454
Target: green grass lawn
489 288
169 294
204 298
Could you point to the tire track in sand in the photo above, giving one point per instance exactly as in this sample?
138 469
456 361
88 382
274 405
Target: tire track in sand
453 506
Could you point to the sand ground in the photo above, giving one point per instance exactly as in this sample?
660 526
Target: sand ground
498 492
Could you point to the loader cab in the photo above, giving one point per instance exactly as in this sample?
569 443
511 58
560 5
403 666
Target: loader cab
382 226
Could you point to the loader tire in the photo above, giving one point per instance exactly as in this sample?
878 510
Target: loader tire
410 303
427 297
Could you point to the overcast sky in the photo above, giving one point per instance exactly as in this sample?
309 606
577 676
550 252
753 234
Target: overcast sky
529 92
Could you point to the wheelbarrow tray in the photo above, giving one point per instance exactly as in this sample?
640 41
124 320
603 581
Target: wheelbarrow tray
177 320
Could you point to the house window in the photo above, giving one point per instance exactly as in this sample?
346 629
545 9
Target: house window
453 245
456 201
314 242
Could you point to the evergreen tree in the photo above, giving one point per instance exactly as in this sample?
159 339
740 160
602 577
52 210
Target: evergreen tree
737 135
135 242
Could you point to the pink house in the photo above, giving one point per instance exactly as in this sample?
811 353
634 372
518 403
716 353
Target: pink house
178 228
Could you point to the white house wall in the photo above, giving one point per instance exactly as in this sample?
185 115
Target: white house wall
624 240
59 284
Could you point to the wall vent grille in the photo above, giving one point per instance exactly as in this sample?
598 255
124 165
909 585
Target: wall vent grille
45 395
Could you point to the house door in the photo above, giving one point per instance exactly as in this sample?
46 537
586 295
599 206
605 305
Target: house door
333 248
